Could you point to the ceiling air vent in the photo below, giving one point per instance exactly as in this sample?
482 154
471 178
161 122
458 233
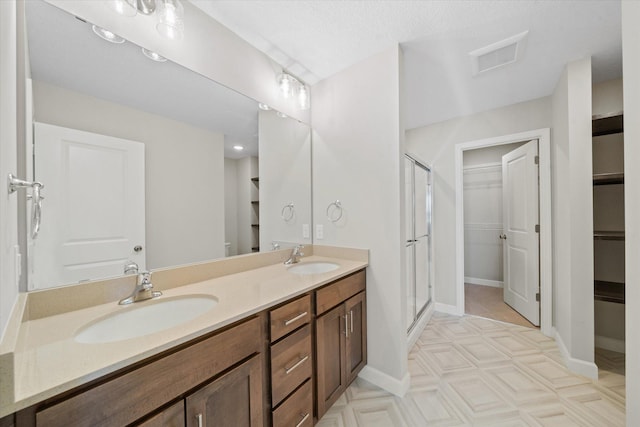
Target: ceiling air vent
497 54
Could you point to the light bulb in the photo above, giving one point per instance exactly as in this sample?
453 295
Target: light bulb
170 19
285 83
238 147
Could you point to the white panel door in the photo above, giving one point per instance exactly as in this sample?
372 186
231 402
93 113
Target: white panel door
94 207
520 239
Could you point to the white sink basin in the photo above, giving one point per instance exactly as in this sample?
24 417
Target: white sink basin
144 318
313 268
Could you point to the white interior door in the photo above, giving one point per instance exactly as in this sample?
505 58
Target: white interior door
520 239
94 207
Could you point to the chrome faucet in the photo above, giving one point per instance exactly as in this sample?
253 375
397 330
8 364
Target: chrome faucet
295 255
143 290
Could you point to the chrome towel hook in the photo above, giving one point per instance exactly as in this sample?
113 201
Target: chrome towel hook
14 184
288 211
334 211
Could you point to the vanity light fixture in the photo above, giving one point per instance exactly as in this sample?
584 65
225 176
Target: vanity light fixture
124 7
153 55
263 107
286 84
238 147
289 86
303 97
170 19
107 35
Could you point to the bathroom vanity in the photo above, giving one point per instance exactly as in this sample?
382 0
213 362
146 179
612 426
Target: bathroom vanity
277 349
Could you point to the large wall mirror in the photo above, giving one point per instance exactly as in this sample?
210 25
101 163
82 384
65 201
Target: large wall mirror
140 159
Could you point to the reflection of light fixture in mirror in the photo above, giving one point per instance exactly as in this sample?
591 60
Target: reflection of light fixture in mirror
281 115
107 35
170 19
153 56
303 97
264 107
238 147
132 7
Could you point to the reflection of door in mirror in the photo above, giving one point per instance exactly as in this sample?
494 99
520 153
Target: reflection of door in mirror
95 206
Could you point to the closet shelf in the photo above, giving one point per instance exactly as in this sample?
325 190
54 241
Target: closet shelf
608 178
607 124
608 235
608 291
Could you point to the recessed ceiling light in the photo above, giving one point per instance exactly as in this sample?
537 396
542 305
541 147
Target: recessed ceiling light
107 35
264 107
238 147
153 56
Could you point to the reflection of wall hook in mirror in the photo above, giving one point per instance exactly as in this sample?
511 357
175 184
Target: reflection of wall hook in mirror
14 184
288 211
334 211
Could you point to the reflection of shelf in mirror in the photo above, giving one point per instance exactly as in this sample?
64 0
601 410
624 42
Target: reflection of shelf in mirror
607 124
255 225
608 291
255 202
256 179
608 235
255 249
608 178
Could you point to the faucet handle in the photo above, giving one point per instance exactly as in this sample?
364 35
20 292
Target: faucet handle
144 280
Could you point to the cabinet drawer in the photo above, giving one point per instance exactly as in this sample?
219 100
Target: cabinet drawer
290 364
297 410
173 416
340 291
289 317
143 390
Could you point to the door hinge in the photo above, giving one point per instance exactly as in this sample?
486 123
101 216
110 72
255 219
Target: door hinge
537 160
538 297
537 228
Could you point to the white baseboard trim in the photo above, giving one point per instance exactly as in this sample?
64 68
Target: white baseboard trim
578 366
484 282
448 309
608 343
419 327
386 382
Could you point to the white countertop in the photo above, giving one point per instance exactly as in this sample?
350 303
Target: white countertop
47 361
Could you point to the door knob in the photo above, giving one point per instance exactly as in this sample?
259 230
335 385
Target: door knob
137 248
503 236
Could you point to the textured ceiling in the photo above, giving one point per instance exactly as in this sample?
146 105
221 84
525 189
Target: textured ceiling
314 39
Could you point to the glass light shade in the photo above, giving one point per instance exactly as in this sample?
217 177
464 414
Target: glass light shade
286 85
153 55
124 7
107 35
170 19
303 97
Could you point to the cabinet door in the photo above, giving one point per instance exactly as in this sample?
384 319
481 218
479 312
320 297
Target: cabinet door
233 400
330 347
173 416
356 316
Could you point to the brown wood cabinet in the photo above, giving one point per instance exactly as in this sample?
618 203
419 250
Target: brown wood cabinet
341 339
233 400
173 416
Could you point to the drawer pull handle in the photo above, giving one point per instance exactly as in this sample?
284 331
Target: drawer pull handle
304 418
199 419
351 313
298 317
298 363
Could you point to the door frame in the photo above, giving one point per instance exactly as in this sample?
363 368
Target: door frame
544 192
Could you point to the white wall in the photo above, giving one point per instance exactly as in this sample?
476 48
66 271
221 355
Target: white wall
571 176
631 72
207 48
285 177
482 183
8 202
435 144
357 159
231 204
184 172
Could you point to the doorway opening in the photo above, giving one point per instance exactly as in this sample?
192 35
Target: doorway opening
521 227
